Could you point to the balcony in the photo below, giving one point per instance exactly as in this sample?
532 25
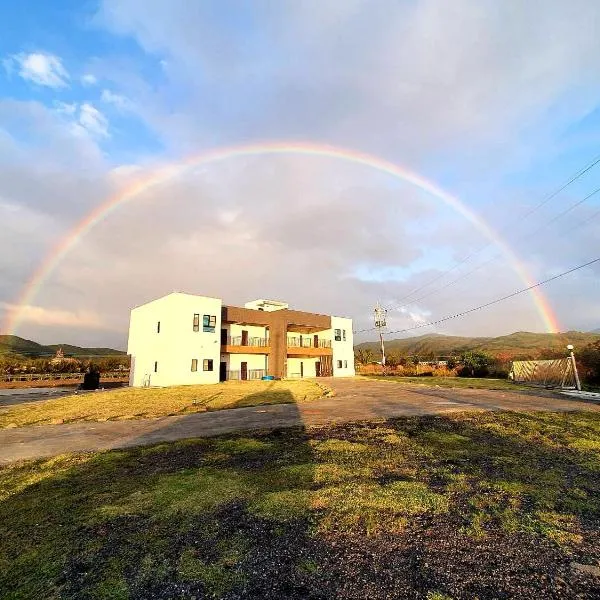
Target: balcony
245 345
308 346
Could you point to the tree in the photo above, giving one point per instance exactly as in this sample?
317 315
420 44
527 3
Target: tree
589 358
392 360
364 355
474 364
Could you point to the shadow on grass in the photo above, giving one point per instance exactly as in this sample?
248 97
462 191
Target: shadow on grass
487 505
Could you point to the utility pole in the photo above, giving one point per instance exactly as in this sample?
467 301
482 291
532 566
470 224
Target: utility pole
380 314
572 355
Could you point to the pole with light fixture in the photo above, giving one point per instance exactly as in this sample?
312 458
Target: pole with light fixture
572 356
380 313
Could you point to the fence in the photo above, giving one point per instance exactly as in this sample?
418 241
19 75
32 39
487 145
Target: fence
549 373
58 376
251 374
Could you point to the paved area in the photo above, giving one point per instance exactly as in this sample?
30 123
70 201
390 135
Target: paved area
355 400
9 397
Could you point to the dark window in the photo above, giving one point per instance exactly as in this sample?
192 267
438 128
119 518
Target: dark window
339 364
345 364
158 327
207 364
337 335
156 366
194 365
344 334
209 322
196 322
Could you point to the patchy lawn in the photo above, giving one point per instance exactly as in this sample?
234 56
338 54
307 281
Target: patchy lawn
487 505
478 383
142 403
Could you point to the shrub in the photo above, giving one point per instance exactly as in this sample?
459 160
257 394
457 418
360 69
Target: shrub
474 364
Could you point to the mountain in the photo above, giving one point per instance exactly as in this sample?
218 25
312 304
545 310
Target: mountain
12 344
520 343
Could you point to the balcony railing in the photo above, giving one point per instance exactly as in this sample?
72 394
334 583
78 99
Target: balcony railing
250 374
257 342
307 342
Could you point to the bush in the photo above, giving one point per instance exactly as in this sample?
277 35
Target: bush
474 364
589 359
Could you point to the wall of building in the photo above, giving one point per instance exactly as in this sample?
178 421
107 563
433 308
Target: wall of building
254 361
343 351
309 368
177 343
235 330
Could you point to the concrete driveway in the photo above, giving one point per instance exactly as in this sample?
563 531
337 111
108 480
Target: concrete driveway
355 400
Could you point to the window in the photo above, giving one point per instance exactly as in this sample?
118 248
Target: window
337 335
344 334
345 364
156 366
196 322
194 365
158 327
339 364
209 322
207 364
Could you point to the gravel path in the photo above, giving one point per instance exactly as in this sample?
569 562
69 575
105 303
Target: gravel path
354 400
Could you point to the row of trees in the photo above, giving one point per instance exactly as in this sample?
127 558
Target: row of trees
471 363
11 365
474 363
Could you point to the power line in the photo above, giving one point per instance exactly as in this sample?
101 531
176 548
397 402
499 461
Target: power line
578 225
545 201
476 308
496 257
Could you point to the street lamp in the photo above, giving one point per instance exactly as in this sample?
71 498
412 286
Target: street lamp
572 356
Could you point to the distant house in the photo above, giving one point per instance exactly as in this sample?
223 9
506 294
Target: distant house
188 339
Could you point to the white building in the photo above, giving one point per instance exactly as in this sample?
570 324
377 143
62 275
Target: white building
187 339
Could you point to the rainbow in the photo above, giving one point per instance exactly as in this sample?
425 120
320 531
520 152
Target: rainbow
165 173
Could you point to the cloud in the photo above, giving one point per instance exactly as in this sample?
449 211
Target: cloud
119 101
88 79
42 69
469 94
66 108
93 120
53 317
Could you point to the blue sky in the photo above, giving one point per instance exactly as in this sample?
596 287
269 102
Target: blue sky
499 105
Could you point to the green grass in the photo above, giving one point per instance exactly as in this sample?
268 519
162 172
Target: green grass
199 516
140 403
478 383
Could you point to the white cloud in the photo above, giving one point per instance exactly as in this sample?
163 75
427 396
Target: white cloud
93 120
43 69
89 79
121 102
66 108
52 317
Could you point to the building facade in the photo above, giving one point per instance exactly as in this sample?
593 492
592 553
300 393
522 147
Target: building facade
183 339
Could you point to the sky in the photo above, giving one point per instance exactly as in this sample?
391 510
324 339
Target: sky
497 104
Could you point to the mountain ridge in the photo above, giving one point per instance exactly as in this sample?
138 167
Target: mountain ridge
519 343
12 345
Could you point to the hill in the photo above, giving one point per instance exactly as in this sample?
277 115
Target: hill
519 344
15 345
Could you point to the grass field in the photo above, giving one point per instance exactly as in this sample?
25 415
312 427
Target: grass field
483 505
478 383
138 403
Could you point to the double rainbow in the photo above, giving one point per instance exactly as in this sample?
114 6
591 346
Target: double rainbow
165 173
